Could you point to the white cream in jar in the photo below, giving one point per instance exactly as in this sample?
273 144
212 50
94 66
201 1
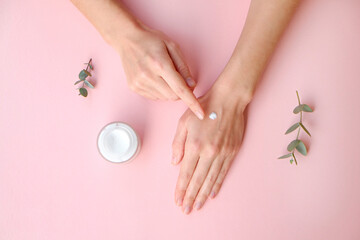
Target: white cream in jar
118 142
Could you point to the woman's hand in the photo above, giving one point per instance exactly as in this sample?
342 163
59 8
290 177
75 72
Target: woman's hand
155 67
153 64
207 148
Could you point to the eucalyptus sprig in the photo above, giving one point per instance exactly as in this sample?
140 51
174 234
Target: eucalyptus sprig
82 76
297 143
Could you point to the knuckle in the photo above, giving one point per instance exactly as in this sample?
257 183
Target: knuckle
198 181
217 186
158 64
173 97
194 145
222 174
143 74
212 178
135 85
179 90
228 150
186 176
190 197
173 44
212 149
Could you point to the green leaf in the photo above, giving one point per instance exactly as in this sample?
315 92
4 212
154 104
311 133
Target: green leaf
292 128
303 127
306 108
291 161
88 73
301 148
83 74
91 66
89 84
293 145
298 108
83 92
285 156
78 82
294 158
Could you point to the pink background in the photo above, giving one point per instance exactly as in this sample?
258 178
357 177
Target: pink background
55 185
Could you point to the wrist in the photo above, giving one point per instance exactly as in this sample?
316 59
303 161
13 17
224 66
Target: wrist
234 89
120 30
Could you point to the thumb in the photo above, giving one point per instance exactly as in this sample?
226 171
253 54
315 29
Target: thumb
178 144
180 64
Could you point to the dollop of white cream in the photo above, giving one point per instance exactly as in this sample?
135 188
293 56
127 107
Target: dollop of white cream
213 116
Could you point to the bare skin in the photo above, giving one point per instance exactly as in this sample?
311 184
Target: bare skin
207 148
156 69
154 65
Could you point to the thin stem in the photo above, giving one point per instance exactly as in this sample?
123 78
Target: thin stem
88 64
298 96
294 157
297 137
299 105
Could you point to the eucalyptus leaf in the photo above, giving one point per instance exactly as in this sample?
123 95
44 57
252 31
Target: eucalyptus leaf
301 148
293 145
87 72
78 82
292 128
88 84
91 66
303 127
285 156
83 74
83 92
307 108
291 161
298 108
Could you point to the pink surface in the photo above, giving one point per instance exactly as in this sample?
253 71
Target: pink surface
55 185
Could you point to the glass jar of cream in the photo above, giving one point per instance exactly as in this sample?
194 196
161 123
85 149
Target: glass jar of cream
118 142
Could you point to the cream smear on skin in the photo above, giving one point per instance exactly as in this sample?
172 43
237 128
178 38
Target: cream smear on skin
213 116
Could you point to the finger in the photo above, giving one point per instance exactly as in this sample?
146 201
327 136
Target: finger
177 84
163 88
208 184
149 86
197 180
180 64
188 165
220 179
178 144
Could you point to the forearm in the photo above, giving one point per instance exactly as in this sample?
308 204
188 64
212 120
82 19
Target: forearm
265 23
110 17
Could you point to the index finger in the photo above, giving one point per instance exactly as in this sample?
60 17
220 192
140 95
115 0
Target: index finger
177 84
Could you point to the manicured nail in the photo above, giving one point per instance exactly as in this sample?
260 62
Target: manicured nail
212 195
190 82
197 205
187 210
179 202
200 115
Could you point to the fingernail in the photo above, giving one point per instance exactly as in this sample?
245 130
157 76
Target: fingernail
190 82
187 210
212 195
197 205
179 202
199 115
